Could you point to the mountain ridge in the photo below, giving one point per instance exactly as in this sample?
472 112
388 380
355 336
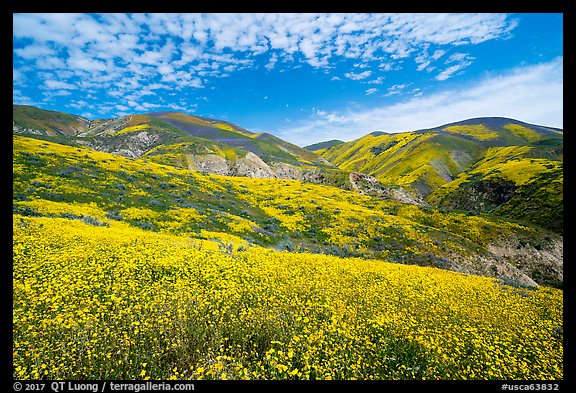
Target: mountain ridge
491 164
139 135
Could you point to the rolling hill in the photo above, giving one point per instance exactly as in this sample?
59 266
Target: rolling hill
54 180
32 120
494 165
178 139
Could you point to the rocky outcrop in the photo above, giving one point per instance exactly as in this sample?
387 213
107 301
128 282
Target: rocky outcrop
489 266
56 129
366 184
514 261
140 142
107 127
252 166
542 260
288 171
21 130
132 145
209 163
249 166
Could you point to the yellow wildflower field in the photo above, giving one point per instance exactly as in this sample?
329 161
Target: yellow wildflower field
119 302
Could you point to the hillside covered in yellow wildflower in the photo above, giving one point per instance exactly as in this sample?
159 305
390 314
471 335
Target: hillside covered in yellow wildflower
493 165
140 268
113 301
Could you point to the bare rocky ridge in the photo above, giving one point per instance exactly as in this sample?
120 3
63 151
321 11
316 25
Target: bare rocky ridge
490 266
251 166
512 260
208 163
109 126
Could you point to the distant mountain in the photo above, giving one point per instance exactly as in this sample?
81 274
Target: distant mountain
492 164
321 147
178 139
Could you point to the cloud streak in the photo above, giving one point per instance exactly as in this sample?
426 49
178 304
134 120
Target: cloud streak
512 94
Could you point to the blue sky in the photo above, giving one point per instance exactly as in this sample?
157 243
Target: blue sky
303 77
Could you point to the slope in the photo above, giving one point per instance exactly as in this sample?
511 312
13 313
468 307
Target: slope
436 162
54 180
29 119
268 147
118 302
321 147
172 138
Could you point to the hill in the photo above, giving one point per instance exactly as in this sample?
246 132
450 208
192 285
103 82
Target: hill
29 119
54 180
496 165
178 139
321 147
130 269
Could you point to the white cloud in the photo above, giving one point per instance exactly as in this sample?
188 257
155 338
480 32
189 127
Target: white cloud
86 64
34 51
165 69
318 38
52 84
358 76
462 61
453 28
20 99
447 73
456 57
533 94
377 81
272 62
149 105
332 118
56 93
182 106
371 91
17 76
396 89
438 54
150 57
307 48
